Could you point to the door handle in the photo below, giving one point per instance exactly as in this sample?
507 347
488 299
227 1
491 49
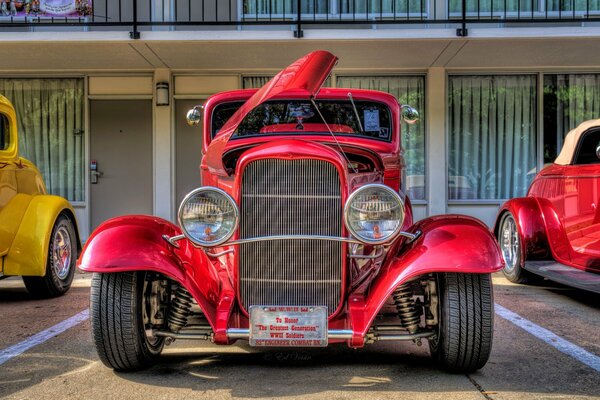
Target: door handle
95 175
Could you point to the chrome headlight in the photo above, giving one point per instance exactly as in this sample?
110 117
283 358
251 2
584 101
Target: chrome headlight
208 216
374 214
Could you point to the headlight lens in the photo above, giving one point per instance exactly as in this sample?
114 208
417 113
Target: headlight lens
208 216
374 214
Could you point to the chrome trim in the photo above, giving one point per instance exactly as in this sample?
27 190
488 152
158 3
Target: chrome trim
240 333
379 253
403 336
222 253
292 237
184 336
236 212
391 237
173 240
339 334
344 334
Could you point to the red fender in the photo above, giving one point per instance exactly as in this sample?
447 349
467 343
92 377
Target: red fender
530 225
135 243
449 243
540 229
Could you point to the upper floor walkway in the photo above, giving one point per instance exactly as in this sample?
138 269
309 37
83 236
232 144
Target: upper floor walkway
413 17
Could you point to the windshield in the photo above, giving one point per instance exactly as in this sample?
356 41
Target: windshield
300 117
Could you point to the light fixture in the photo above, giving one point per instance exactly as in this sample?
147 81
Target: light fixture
162 93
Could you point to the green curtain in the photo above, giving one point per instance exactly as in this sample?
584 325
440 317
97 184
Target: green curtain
492 136
370 7
254 82
50 119
578 99
395 7
285 7
499 7
408 90
581 6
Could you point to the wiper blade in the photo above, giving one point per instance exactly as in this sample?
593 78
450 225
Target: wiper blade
356 113
314 103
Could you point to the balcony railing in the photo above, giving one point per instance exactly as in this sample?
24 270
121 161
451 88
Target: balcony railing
141 15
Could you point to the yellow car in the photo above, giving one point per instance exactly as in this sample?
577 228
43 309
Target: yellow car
38 232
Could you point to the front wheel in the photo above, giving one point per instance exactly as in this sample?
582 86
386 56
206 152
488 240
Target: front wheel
117 305
60 262
464 339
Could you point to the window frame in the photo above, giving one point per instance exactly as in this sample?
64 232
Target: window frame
7 134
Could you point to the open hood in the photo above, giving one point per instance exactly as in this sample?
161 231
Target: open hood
306 74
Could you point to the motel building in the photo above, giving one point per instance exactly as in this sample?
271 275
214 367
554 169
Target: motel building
101 90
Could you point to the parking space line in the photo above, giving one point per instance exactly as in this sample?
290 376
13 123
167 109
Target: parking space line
562 345
41 337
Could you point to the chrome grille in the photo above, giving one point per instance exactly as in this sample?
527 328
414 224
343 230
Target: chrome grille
290 197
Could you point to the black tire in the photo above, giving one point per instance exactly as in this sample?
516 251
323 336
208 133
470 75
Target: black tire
117 322
59 272
513 269
465 332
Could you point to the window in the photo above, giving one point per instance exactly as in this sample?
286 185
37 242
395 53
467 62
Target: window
4 132
408 90
569 99
587 151
492 136
50 121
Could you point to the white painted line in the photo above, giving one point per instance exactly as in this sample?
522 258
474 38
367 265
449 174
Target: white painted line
578 353
41 337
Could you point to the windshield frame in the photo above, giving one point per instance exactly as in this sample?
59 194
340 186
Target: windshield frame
383 105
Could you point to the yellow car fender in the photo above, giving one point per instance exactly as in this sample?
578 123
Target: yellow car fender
29 251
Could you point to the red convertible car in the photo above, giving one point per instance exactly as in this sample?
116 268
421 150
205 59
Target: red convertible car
554 232
301 236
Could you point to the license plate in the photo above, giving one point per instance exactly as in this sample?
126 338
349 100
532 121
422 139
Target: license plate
288 326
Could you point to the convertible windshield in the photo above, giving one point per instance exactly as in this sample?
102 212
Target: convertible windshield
300 117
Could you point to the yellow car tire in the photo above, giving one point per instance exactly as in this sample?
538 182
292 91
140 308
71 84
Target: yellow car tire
60 262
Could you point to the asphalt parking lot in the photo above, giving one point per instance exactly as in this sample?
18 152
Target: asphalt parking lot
546 345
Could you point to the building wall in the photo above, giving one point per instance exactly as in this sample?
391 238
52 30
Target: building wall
188 84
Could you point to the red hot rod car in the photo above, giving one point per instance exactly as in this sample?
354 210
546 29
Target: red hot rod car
554 232
300 236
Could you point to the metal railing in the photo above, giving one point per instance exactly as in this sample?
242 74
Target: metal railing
140 15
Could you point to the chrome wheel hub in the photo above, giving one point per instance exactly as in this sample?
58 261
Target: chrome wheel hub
62 252
509 243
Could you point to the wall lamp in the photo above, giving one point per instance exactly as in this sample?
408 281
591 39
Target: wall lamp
162 93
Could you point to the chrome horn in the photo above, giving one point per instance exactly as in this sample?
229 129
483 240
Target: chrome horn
409 115
194 116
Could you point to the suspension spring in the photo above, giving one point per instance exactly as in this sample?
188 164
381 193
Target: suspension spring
407 309
180 309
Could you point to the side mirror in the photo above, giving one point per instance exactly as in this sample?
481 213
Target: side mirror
598 151
194 116
410 115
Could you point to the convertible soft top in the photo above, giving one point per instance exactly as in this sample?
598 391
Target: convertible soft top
570 146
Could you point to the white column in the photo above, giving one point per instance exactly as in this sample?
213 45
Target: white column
163 151
437 163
